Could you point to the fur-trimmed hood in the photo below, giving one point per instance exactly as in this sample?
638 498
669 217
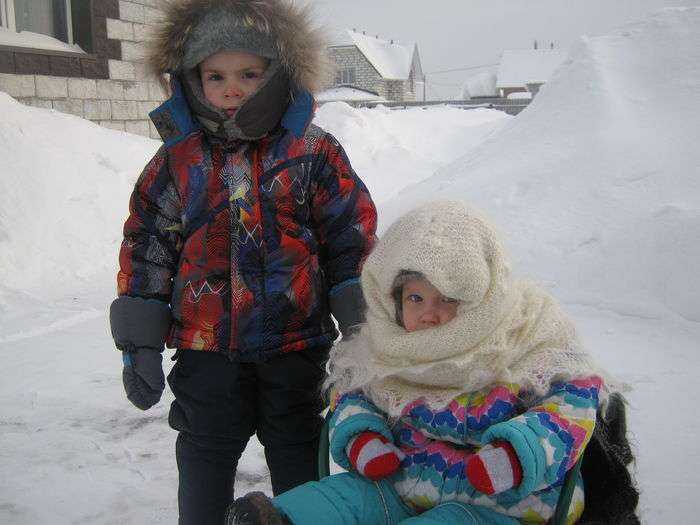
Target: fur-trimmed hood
299 47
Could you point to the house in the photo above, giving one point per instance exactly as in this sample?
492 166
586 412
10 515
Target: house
385 68
81 57
525 70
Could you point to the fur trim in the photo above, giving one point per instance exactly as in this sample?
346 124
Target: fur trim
301 48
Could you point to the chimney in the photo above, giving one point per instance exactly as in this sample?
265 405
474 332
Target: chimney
363 32
392 40
551 45
535 43
376 36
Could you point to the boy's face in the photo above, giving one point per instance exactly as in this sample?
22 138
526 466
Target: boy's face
229 76
423 306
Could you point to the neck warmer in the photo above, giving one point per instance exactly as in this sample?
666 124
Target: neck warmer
504 331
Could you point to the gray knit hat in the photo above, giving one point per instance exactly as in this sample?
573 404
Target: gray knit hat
220 28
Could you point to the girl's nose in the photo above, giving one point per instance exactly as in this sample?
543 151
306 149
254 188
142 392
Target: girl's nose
430 317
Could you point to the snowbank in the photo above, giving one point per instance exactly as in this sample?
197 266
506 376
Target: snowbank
596 182
392 149
64 192
66 182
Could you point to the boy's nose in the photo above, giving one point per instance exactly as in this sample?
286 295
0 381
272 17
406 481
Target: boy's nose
232 90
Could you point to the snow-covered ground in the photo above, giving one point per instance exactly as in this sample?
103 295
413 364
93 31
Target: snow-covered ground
595 186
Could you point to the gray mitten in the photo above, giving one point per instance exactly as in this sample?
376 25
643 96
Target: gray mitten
348 307
143 377
139 327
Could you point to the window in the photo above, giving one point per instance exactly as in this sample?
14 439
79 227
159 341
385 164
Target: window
47 17
345 76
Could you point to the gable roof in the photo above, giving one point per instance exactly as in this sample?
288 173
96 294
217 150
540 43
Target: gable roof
391 60
522 66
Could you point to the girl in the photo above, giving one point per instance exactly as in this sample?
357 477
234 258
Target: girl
465 398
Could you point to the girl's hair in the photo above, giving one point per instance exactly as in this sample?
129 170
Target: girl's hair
397 291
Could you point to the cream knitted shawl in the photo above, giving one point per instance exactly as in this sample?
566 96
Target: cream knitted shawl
504 331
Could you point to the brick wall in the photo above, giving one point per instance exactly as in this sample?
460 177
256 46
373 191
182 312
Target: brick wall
366 76
109 86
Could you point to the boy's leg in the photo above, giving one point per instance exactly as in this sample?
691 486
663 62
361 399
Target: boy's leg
207 469
214 411
342 499
460 514
289 424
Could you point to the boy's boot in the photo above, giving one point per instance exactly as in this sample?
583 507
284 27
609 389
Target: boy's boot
255 508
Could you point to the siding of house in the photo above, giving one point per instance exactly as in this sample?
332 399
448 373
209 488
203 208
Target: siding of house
366 77
109 86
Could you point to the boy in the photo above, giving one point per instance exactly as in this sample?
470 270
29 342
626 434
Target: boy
246 231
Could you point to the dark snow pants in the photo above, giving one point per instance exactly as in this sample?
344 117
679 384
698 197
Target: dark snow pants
219 404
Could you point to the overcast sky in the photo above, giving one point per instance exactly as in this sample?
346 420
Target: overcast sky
454 34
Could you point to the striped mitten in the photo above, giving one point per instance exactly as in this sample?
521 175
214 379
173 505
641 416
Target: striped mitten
495 468
373 456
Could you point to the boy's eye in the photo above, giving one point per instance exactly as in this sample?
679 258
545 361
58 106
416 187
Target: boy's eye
214 76
249 75
414 298
450 300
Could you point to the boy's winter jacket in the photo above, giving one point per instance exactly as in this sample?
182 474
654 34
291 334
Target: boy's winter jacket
548 434
252 227
245 240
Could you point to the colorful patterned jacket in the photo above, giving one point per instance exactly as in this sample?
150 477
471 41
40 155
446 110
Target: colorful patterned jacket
548 435
246 240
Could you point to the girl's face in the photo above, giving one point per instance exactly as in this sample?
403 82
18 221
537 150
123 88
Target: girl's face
229 76
423 306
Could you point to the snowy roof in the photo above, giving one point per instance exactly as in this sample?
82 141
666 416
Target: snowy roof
347 93
480 85
391 59
522 66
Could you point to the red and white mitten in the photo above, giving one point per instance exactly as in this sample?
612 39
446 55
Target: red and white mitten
373 456
495 468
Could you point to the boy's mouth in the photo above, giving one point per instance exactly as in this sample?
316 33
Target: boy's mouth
230 111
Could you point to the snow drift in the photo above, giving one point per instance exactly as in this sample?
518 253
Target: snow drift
596 182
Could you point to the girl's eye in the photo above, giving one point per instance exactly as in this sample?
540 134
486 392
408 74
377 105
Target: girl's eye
450 300
414 298
214 76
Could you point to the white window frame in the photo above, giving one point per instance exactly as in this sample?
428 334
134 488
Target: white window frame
7 12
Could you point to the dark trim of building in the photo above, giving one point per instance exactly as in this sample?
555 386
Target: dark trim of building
89 32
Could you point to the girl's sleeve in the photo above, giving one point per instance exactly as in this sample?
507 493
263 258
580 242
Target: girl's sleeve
353 413
551 435
346 221
152 234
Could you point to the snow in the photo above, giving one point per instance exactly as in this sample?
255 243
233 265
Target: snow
35 41
519 95
391 59
594 186
480 85
347 93
519 67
